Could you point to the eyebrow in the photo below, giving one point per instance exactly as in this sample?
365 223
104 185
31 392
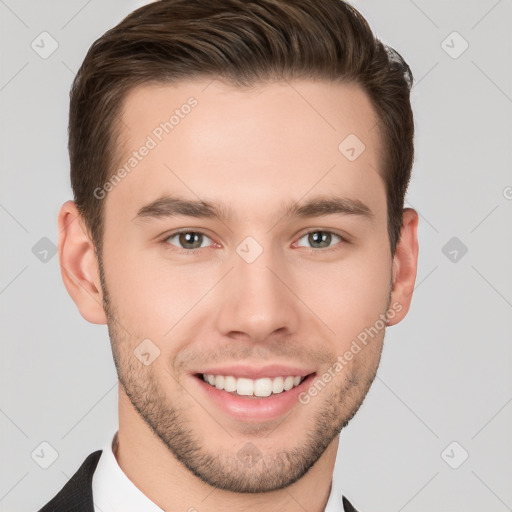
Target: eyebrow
172 206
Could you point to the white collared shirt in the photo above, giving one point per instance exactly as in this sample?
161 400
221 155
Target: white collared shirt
113 491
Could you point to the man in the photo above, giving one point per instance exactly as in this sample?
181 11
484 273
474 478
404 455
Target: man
239 171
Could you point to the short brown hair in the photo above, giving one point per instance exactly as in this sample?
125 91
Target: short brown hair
244 42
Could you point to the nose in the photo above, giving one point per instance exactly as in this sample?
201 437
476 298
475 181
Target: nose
258 299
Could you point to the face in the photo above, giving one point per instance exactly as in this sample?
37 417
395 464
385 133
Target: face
252 288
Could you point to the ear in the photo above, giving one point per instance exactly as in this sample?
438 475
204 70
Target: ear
405 263
79 265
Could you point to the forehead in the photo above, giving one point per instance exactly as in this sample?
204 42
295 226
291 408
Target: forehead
210 140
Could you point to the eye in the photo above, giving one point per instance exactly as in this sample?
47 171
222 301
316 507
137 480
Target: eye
320 239
188 240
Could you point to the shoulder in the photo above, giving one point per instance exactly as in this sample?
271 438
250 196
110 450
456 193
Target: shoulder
76 495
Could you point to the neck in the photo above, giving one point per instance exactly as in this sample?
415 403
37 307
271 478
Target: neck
154 470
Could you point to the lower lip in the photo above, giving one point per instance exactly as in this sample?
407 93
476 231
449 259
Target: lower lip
255 408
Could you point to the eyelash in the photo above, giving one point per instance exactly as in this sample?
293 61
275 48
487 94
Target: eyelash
191 252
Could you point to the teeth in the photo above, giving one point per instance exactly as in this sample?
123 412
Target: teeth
229 383
244 387
219 382
249 387
277 385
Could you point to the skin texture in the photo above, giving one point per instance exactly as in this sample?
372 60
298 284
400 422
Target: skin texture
296 304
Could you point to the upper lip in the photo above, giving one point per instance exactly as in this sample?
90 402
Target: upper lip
252 372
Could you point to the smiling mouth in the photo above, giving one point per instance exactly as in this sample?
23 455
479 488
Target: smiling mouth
253 388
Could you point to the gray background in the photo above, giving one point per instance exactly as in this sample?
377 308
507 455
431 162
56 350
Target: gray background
445 374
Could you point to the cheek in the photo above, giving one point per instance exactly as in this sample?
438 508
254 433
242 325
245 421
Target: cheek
150 293
131 288
351 294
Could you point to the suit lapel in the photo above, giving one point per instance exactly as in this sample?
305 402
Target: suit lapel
76 495
347 506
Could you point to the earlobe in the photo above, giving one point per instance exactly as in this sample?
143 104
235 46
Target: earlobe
78 264
405 263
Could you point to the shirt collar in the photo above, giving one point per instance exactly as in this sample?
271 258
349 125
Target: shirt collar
113 491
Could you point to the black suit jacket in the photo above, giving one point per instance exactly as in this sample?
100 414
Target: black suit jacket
76 495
